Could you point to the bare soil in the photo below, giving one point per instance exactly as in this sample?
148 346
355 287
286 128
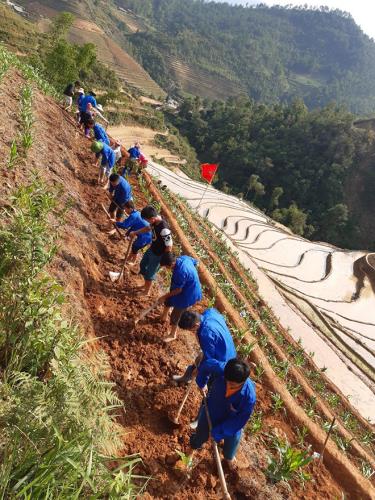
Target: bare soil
129 134
141 364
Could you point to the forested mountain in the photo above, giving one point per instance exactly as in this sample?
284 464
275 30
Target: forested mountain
310 170
270 53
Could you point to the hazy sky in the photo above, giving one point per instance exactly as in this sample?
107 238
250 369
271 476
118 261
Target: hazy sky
363 11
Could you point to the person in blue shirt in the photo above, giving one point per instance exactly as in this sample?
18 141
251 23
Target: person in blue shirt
230 403
185 290
135 151
121 193
87 99
134 155
81 95
215 341
86 104
133 222
99 132
108 160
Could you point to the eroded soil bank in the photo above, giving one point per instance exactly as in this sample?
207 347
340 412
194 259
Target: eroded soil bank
141 364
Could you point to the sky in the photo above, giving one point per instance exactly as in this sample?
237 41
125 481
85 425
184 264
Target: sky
363 11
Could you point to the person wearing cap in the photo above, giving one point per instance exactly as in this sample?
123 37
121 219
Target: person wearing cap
162 242
108 160
81 95
88 102
99 133
121 192
133 222
230 403
185 289
98 112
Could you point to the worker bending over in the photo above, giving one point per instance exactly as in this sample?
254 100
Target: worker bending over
107 162
230 403
214 339
185 290
121 192
216 344
99 132
133 222
161 242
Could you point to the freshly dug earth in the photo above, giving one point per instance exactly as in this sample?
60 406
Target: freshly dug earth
141 364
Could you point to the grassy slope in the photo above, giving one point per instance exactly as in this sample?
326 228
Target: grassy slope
15 32
103 34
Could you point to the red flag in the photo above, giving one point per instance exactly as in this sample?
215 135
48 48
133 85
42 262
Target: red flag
208 171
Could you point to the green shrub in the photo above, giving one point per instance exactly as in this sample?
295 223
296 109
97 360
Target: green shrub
56 428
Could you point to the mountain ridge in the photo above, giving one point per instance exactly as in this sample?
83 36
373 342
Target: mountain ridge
276 53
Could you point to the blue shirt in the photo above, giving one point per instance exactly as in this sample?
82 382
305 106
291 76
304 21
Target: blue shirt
185 276
100 134
108 158
123 191
79 100
134 153
85 101
230 415
135 222
216 343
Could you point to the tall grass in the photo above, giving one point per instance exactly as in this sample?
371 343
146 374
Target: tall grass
30 73
56 428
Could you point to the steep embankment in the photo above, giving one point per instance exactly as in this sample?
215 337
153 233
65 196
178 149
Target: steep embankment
141 364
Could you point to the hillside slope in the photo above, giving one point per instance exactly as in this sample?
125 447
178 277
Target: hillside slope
273 53
140 364
87 29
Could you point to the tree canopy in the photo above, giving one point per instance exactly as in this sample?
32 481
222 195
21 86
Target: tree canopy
292 163
271 53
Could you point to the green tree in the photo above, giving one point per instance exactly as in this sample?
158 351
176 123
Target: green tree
293 217
255 185
61 25
275 197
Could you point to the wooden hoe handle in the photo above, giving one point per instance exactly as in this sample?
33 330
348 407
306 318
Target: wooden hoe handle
223 483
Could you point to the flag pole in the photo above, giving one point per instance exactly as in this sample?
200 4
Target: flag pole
209 183
204 192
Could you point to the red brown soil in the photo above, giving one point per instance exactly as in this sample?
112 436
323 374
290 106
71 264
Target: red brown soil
141 364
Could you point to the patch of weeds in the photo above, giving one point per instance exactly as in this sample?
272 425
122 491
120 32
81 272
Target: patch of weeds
287 463
277 402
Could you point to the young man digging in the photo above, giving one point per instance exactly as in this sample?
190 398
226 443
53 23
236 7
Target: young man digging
121 194
107 162
230 403
133 222
99 132
214 339
185 290
161 242
216 343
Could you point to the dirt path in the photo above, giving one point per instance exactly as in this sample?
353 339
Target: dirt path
129 134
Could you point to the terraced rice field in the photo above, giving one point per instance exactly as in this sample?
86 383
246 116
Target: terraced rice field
129 134
110 53
322 294
86 31
201 82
